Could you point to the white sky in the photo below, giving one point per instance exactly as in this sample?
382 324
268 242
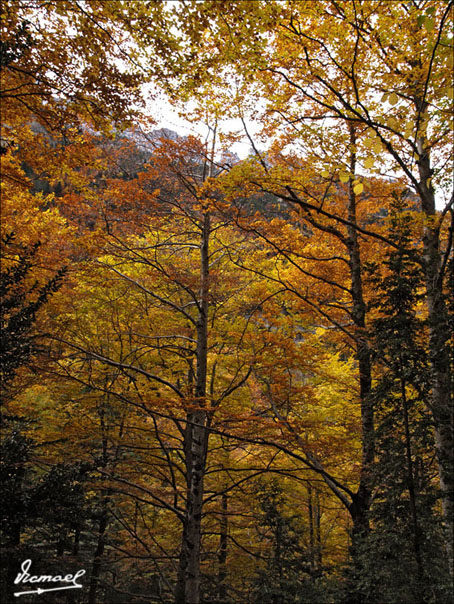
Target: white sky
167 116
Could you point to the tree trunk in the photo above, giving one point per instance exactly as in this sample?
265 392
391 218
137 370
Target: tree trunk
310 511
362 347
441 405
76 542
359 507
222 557
318 535
97 558
183 560
194 509
196 446
61 543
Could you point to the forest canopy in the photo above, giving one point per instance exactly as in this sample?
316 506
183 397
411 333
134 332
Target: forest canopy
227 379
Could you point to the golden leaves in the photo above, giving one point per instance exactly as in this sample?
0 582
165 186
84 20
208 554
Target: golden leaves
429 24
377 147
393 98
358 188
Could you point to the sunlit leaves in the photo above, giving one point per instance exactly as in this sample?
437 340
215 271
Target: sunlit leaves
379 80
393 98
358 188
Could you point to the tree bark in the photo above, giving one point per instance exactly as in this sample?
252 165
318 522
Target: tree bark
196 446
318 535
310 512
441 404
104 517
222 557
360 505
99 552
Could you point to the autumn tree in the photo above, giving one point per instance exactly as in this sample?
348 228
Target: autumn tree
63 80
183 348
348 66
50 89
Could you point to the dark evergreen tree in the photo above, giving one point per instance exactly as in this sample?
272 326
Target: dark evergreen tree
403 557
287 575
19 304
22 494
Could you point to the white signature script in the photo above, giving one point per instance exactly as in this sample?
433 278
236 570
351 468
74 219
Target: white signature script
25 577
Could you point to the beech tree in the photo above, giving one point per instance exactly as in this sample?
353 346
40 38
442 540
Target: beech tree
347 65
179 267
86 75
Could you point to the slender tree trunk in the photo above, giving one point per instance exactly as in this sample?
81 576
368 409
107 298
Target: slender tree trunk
315 542
194 510
222 557
441 404
76 542
310 511
318 534
196 446
99 552
61 542
183 561
360 506
103 520
278 556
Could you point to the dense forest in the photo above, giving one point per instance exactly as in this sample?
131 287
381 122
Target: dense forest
227 379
